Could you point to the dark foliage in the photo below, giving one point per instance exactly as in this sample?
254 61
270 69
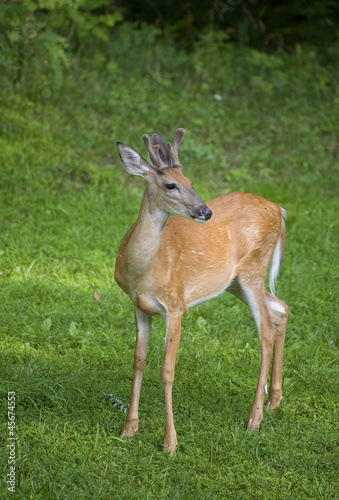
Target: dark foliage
260 23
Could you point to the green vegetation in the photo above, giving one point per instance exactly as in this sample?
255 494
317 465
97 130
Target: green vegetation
262 123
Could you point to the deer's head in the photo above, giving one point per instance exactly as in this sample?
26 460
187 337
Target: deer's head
167 187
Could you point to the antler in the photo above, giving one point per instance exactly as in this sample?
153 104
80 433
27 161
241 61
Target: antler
157 152
154 153
173 150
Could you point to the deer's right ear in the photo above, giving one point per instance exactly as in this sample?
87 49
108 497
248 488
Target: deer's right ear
132 161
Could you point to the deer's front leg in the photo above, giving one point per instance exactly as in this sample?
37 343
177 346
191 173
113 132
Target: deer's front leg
173 330
143 330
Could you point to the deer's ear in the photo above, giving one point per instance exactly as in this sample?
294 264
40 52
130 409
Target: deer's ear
132 161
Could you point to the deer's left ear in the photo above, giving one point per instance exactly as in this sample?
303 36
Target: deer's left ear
132 161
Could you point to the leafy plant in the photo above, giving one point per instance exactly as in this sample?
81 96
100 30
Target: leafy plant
35 37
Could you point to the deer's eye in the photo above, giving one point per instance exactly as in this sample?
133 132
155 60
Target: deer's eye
170 187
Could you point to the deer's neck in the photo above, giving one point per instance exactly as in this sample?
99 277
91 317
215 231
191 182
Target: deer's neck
144 243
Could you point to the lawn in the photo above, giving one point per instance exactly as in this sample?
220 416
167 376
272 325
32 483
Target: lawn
266 124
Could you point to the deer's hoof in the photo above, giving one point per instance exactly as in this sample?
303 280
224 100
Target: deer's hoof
130 428
275 400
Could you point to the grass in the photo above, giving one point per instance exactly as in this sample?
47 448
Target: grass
264 124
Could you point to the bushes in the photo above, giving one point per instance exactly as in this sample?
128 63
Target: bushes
40 43
35 37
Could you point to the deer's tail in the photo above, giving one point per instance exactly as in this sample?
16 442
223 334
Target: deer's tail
277 254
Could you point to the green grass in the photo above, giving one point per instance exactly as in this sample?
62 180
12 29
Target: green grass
65 205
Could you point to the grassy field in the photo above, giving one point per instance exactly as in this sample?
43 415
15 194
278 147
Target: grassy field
258 123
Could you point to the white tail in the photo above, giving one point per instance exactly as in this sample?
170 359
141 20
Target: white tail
167 265
277 254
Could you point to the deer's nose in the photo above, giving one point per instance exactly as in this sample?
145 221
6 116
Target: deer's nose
202 214
206 212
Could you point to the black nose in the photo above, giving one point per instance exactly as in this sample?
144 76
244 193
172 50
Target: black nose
205 212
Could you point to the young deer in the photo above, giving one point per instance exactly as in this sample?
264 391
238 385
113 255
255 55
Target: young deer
167 265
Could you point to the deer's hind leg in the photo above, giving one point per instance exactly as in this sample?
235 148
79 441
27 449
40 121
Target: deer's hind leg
250 288
279 313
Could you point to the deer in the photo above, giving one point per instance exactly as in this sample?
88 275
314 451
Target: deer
168 264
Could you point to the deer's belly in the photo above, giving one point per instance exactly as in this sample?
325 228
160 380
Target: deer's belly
209 286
